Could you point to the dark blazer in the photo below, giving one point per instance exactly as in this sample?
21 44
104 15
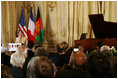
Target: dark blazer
30 53
58 59
17 72
25 66
5 59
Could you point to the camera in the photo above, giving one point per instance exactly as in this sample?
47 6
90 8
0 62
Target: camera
75 50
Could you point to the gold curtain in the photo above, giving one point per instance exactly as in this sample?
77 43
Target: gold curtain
79 22
8 21
109 10
61 20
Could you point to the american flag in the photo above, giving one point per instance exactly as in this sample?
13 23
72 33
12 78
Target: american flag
22 25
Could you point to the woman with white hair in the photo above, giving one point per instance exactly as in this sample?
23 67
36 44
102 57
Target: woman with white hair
5 48
17 60
5 59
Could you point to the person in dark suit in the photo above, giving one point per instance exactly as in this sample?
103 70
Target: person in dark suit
5 59
25 67
30 54
59 57
30 46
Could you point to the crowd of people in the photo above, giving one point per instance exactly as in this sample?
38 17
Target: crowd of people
64 63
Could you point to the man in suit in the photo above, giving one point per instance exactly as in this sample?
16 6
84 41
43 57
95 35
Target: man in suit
30 46
30 54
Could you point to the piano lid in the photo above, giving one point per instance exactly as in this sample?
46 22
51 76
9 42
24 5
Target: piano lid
101 28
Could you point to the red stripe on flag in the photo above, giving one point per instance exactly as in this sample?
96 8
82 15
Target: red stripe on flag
30 36
19 28
23 29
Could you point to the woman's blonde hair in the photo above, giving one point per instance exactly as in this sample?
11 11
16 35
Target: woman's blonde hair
17 59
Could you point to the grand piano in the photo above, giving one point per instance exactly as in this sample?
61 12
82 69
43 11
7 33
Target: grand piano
104 31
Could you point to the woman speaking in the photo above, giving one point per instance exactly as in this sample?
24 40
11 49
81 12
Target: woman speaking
21 38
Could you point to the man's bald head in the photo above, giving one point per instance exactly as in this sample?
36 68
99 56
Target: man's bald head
79 59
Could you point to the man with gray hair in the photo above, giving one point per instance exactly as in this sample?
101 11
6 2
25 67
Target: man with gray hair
5 59
17 60
106 50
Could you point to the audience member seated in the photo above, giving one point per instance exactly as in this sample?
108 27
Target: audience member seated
106 50
78 68
5 59
68 54
52 52
40 67
104 47
28 56
5 72
99 65
40 51
79 60
59 57
30 46
17 60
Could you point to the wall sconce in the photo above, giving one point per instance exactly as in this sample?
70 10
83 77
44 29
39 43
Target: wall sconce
28 5
51 4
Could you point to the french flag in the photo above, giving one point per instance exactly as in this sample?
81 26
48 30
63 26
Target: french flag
31 27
